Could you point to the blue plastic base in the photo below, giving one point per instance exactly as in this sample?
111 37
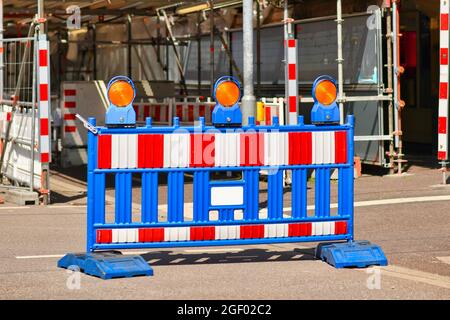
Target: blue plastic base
356 254
107 265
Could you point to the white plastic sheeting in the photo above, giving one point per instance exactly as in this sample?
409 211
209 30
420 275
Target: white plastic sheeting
17 161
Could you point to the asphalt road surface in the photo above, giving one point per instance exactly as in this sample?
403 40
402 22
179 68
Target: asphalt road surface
407 216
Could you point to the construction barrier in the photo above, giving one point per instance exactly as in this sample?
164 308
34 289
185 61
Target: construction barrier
149 151
201 151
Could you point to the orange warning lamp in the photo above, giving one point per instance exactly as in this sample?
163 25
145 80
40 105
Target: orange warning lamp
326 92
121 94
325 109
228 93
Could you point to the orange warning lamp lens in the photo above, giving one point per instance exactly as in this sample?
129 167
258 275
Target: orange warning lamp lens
326 92
121 93
227 93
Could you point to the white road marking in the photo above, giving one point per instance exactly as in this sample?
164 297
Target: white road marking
444 259
214 250
178 260
417 276
13 208
43 256
66 206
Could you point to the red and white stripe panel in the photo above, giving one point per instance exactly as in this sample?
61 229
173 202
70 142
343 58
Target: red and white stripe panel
234 232
443 86
69 109
159 112
292 81
44 98
181 150
191 111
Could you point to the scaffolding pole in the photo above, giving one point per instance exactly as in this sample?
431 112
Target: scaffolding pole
398 103
340 61
389 89
248 100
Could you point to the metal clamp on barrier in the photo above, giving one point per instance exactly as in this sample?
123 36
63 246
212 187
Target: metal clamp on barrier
203 151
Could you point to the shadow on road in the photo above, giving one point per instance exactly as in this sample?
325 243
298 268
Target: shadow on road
167 258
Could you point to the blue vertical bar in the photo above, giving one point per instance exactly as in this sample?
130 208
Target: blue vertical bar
100 187
341 187
350 175
150 197
299 193
92 164
275 195
251 194
175 196
322 192
318 192
226 214
123 197
201 196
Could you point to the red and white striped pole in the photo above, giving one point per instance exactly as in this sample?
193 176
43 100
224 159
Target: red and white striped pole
44 107
291 72
443 88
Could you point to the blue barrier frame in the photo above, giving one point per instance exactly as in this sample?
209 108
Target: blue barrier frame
96 190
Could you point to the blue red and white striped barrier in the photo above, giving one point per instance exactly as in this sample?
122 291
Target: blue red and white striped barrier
200 151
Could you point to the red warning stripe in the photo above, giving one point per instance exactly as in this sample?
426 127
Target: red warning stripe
43 91
292 104
146 111
44 127
104 236
201 110
202 233
179 111
202 150
190 112
157 113
45 157
150 151
70 92
252 149
443 90
444 22
292 71
104 151
340 145
340 227
151 235
442 126
442 155
299 229
252 232
70 116
70 104
300 148
268 116
69 129
444 56
43 61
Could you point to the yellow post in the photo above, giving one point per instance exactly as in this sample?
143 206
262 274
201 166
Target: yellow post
260 111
